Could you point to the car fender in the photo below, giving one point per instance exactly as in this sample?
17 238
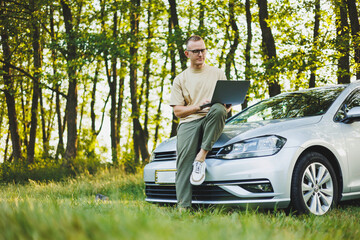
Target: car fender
321 146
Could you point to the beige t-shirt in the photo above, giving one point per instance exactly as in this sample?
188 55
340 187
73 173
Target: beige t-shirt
193 86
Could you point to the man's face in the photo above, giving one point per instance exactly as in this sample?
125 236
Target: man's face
197 58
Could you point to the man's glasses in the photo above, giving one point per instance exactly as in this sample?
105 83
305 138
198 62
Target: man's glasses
197 51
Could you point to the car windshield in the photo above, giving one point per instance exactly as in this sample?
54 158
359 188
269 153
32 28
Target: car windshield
306 103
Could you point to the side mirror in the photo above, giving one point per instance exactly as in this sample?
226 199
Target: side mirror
352 115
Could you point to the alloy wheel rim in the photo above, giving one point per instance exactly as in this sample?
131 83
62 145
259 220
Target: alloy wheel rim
317 188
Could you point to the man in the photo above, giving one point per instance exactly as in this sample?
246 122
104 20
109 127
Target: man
199 128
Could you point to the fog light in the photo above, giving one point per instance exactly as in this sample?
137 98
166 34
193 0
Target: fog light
258 188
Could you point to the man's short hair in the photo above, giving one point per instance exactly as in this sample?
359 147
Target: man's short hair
193 38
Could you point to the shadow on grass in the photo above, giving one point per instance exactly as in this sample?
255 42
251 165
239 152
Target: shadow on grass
227 209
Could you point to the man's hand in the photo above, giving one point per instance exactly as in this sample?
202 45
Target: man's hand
205 101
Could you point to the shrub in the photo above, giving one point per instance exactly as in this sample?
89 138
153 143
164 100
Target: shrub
47 169
40 170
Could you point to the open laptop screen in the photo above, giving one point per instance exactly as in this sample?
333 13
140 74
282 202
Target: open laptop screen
229 92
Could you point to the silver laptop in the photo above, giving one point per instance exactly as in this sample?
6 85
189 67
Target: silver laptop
229 92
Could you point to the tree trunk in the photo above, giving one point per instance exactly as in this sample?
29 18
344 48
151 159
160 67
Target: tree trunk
2 113
269 49
111 74
95 132
233 46
93 99
355 32
146 71
6 148
158 114
223 48
342 43
113 109
313 67
24 114
82 109
179 39
138 133
8 86
10 101
45 128
120 99
113 93
171 45
60 146
248 47
202 5
36 89
71 104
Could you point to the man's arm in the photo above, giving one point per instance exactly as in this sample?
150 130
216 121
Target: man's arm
181 111
184 111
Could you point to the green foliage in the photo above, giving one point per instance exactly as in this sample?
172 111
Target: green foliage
88 160
40 170
292 24
48 169
127 162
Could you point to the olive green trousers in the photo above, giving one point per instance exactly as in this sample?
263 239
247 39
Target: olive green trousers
191 136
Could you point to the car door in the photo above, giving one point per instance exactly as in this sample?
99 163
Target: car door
351 133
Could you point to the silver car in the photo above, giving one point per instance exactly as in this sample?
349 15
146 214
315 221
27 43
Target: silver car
299 149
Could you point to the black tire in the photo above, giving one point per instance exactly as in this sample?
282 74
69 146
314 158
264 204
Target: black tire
314 186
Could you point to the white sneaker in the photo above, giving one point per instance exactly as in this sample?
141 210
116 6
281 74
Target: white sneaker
198 174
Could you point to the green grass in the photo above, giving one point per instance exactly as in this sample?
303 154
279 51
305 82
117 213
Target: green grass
68 210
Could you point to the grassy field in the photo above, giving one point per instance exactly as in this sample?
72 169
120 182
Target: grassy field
68 210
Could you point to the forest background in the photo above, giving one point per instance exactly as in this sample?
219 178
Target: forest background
85 83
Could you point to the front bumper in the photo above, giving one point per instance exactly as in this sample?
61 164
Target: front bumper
228 181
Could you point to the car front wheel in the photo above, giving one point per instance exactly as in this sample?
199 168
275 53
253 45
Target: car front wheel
314 188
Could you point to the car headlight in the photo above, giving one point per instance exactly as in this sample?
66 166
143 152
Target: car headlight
254 147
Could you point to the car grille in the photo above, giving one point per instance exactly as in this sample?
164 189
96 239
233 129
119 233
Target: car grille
168 156
165 156
199 193
207 192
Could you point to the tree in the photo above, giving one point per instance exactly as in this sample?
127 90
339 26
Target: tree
355 32
268 45
176 38
177 34
111 74
315 45
140 145
9 83
36 81
202 5
342 42
233 46
146 72
51 51
56 85
113 92
171 48
71 103
247 52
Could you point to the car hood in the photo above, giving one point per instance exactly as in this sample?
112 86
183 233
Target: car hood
235 133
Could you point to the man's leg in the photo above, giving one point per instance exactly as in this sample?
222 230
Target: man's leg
188 141
213 125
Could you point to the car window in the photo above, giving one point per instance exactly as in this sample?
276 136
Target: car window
304 103
349 103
